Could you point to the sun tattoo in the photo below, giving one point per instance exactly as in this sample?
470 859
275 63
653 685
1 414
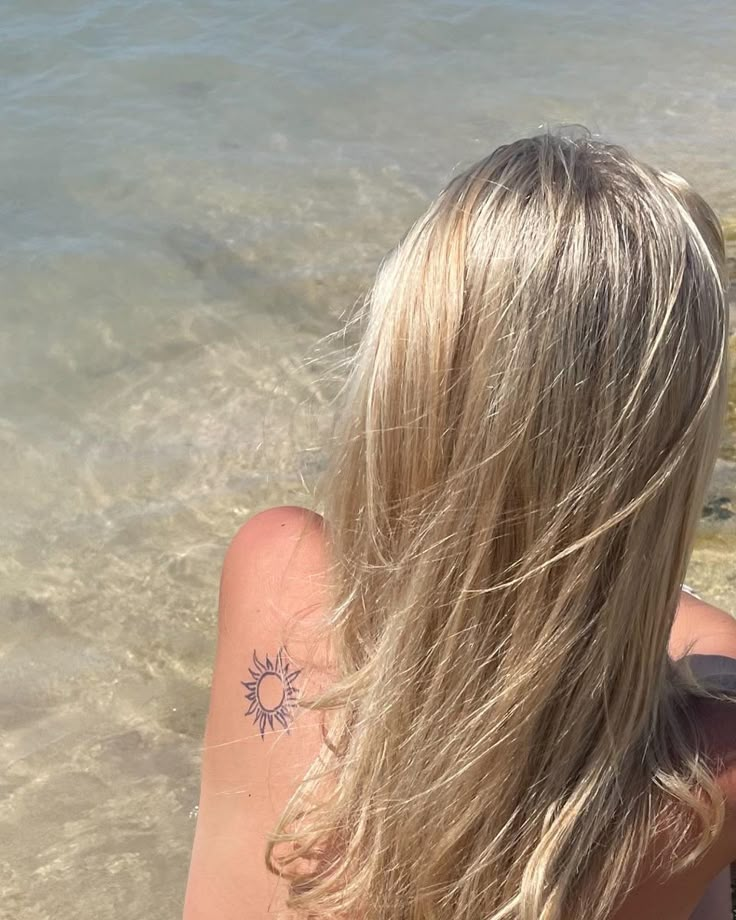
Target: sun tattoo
271 693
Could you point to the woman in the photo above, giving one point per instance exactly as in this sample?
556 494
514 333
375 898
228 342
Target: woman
472 693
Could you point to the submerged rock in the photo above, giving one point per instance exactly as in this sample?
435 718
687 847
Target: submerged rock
712 569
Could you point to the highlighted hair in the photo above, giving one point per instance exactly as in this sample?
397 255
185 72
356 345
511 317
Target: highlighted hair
530 423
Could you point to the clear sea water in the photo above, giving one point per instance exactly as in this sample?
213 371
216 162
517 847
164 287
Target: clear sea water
191 193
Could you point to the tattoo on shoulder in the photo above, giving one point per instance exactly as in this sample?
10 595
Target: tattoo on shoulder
271 693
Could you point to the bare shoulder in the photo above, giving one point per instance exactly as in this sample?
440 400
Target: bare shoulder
258 742
274 577
702 628
274 529
269 543
273 593
705 635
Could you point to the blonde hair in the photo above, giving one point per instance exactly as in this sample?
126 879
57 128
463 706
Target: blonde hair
529 426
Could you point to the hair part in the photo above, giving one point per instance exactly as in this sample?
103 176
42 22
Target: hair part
529 426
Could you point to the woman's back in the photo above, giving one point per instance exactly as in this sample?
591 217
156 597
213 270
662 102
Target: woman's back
529 425
273 582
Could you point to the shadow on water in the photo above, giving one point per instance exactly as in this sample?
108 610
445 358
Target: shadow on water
224 274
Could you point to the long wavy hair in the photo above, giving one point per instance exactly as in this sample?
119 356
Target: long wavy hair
528 428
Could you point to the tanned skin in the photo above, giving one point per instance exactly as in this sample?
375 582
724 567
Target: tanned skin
256 751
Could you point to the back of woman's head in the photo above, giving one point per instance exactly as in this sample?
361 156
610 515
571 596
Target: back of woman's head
530 423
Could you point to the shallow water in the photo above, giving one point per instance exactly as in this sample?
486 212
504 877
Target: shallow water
191 193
